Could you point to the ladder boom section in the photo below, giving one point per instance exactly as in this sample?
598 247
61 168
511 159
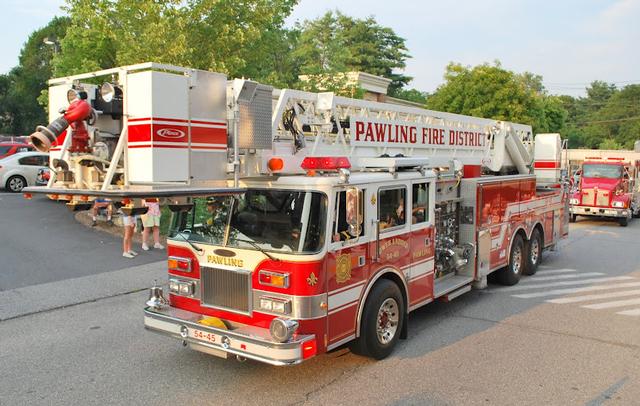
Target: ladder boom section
365 129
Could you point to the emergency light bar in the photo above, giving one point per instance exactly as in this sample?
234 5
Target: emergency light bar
326 163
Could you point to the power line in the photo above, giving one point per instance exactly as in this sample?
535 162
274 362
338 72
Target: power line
589 83
606 121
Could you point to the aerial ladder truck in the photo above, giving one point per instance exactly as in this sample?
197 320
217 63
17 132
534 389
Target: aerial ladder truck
301 221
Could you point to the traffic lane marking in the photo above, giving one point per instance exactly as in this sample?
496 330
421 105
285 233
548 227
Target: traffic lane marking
632 312
617 303
566 291
566 283
587 298
559 277
546 272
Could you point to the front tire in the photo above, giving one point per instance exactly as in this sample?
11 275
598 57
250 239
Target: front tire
534 252
382 321
15 184
510 275
572 218
623 221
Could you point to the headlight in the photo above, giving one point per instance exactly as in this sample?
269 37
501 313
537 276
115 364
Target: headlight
618 204
182 288
574 201
282 329
108 92
276 305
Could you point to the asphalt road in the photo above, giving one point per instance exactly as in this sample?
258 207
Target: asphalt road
560 337
41 242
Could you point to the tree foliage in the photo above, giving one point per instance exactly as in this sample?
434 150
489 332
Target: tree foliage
607 118
490 91
336 43
218 35
21 87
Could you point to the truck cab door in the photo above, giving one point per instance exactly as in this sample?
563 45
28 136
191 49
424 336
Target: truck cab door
347 262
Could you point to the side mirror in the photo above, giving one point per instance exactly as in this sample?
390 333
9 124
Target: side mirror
354 214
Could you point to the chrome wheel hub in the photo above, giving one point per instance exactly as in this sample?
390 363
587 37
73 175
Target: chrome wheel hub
535 251
517 260
387 321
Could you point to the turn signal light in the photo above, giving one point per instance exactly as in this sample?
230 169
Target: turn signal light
179 264
309 348
326 163
275 164
276 279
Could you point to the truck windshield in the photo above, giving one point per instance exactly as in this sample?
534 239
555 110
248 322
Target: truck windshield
601 171
269 220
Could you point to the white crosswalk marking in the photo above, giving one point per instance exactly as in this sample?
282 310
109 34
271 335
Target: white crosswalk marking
633 312
567 283
554 271
547 282
587 298
560 277
567 291
617 303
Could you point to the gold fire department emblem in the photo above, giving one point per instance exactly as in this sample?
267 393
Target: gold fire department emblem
343 268
312 279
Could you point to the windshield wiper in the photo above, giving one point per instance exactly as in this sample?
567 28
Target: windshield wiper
256 246
197 249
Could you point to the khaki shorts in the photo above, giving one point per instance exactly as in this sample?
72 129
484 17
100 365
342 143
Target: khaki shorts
150 221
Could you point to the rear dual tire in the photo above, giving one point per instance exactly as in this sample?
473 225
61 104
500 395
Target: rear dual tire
534 252
511 274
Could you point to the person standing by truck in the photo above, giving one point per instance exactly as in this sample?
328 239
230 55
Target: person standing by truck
151 221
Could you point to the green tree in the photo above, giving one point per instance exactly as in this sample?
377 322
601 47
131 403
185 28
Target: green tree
218 35
493 92
20 111
336 43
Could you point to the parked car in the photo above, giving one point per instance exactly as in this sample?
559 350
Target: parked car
10 148
42 179
21 170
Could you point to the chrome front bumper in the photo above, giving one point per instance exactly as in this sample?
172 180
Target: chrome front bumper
599 211
241 340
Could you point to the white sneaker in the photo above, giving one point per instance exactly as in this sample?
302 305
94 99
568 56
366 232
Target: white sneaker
128 255
145 247
158 246
132 252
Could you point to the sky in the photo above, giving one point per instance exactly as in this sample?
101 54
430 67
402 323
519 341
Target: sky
569 42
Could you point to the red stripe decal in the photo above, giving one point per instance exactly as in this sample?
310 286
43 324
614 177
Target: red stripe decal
547 165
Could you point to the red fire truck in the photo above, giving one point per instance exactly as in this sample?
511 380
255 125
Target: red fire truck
607 187
303 221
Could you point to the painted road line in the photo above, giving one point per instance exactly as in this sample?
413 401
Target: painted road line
632 312
566 283
586 298
559 277
554 271
567 291
617 303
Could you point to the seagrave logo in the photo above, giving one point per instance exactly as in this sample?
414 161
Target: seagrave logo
173 133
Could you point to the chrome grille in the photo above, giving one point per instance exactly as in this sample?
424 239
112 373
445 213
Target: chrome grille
603 198
588 196
225 289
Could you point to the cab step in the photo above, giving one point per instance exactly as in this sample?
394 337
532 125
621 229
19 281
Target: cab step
449 288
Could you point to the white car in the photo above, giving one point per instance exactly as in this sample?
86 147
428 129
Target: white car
21 170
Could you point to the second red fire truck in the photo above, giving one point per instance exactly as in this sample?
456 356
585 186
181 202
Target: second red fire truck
303 221
606 187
